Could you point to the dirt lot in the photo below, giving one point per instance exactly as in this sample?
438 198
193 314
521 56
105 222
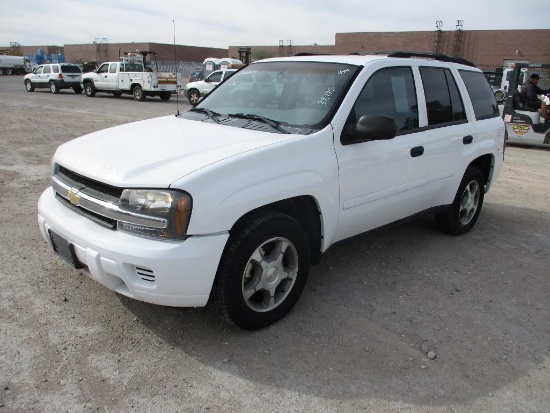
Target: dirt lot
358 340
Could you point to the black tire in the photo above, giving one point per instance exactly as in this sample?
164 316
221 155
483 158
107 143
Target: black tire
53 87
29 86
466 207
262 272
138 93
165 95
117 94
9 71
89 89
193 96
77 90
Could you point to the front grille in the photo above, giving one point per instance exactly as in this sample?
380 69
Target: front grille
98 219
89 186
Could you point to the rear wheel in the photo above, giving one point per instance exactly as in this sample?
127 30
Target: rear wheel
138 93
77 89
466 207
53 87
165 96
89 89
29 86
9 71
262 272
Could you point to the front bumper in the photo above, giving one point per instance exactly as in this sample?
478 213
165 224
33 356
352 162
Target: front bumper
177 274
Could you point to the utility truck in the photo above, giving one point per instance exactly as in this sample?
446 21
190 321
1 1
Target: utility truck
14 65
131 76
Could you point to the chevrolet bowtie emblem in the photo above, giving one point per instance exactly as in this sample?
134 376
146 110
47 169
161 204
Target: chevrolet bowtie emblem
73 196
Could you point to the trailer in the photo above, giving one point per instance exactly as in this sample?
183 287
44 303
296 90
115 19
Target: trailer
14 65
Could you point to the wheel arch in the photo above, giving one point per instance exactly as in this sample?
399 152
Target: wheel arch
303 209
485 164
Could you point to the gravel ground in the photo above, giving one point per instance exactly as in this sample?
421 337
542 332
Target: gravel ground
403 319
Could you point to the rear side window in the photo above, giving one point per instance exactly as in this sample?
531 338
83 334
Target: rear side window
70 69
443 101
483 99
55 68
112 68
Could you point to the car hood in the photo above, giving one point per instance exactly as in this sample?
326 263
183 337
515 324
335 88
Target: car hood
157 152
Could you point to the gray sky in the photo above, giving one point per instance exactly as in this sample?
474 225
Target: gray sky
216 23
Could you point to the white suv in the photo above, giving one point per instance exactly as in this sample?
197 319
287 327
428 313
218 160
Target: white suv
55 76
195 90
236 198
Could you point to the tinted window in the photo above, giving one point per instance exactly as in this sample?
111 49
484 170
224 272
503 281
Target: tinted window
103 68
215 77
443 101
70 69
389 92
481 94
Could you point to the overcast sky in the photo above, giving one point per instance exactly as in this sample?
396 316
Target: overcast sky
217 23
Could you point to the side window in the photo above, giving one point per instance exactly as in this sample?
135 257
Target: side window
112 68
103 68
39 70
47 69
55 68
483 99
443 101
389 92
215 77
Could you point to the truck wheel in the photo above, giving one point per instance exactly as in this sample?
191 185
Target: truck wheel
262 272
77 90
29 86
89 89
1 72
9 71
165 96
138 93
465 209
53 87
193 95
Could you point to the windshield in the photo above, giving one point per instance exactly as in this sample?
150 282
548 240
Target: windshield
292 94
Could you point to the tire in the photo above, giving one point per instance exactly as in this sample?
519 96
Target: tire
89 89
117 94
466 207
262 272
29 86
138 93
9 71
165 95
193 96
77 90
53 87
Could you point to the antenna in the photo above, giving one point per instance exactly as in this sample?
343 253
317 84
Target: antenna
176 69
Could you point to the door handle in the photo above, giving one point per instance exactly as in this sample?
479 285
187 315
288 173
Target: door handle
466 140
417 151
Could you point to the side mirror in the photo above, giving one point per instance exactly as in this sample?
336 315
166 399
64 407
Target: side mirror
375 127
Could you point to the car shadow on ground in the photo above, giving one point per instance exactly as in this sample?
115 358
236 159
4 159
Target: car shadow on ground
377 305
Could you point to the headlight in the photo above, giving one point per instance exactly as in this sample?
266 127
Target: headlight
172 208
499 95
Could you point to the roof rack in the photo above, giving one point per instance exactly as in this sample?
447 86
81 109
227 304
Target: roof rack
429 55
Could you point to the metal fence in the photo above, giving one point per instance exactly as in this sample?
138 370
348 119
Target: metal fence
183 68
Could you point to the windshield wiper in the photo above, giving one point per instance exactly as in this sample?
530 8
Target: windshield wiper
273 123
209 113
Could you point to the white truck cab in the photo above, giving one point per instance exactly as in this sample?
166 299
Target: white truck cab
237 197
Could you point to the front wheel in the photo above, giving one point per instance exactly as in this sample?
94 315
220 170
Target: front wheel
193 96
29 86
465 209
89 89
262 272
138 93
53 87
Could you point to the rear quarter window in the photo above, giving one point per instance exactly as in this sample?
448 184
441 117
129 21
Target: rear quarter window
481 94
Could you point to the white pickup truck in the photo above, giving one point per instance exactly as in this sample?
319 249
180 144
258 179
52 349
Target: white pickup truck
234 199
132 77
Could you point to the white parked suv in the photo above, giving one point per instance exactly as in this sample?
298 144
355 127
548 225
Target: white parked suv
235 199
55 76
193 91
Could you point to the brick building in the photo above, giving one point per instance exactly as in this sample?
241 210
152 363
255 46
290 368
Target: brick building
486 48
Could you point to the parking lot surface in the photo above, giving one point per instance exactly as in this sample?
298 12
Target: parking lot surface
403 319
